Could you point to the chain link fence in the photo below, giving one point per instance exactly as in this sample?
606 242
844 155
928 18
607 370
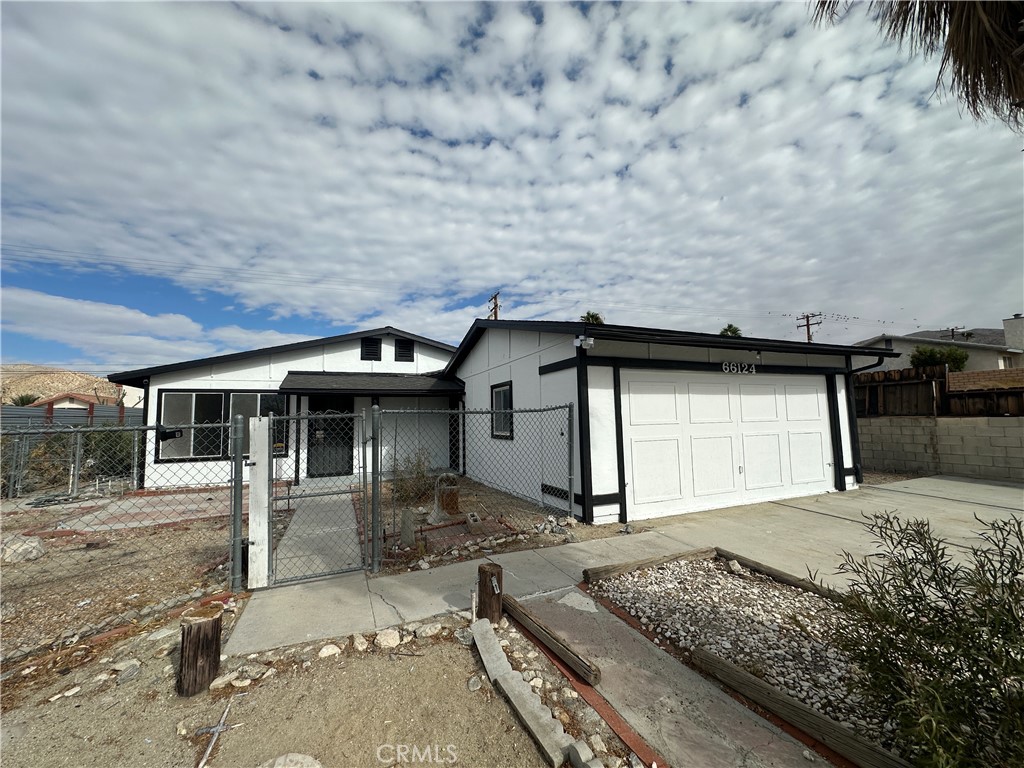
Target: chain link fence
316 499
105 525
450 483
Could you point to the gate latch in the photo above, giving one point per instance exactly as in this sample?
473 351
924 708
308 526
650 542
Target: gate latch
250 463
494 585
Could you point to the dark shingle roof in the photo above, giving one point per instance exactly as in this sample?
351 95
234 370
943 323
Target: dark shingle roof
370 383
992 336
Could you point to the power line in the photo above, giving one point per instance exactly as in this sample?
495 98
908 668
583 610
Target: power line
806 323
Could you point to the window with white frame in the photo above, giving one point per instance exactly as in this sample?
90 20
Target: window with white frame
1006 361
181 409
501 411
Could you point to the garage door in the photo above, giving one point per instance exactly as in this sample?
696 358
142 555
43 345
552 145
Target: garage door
704 440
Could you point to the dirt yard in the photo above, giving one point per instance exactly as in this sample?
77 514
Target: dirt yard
115 704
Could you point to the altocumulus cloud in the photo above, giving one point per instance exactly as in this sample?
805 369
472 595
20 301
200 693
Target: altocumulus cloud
362 164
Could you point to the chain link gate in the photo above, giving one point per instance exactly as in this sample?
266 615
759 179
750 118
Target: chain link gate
317 495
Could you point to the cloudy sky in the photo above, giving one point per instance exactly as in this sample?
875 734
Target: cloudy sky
183 180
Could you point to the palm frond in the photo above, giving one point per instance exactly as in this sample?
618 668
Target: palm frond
981 45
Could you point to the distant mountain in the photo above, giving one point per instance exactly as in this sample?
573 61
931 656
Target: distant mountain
32 379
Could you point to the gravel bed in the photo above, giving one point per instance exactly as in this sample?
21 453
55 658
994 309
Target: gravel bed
776 632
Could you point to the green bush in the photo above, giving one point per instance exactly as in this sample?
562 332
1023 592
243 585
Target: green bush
939 645
954 357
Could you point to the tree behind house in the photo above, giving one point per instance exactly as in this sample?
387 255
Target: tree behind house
24 399
954 357
730 330
594 318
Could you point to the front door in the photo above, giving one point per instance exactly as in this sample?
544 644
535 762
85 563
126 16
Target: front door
330 436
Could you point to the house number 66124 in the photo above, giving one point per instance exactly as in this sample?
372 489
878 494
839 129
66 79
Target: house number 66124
739 368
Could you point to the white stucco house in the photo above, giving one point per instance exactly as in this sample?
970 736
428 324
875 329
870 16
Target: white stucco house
988 349
665 422
339 374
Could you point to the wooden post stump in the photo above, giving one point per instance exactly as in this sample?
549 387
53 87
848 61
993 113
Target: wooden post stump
200 648
489 587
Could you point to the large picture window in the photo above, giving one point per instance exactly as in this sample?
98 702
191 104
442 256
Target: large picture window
193 408
501 411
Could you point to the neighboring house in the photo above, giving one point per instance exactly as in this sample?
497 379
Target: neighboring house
989 349
339 374
664 421
72 400
668 421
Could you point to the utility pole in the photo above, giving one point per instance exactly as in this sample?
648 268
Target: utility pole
806 323
495 306
952 331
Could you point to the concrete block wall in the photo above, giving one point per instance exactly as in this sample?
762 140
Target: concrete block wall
988 448
1010 378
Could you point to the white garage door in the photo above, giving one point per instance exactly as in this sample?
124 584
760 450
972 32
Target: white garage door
704 440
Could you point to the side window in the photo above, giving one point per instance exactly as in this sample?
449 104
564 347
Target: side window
501 411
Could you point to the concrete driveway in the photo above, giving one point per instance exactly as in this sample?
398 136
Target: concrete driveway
804 534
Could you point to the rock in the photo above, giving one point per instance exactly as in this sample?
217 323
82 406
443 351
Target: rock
240 683
388 638
634 761
292 760
474 683
269 673
423 565
163 632
464 636
597 744
808 755
19 548
252 670
72 691
329 650
428 630
559 529
127 670
734 567
503 623
223 681
359 643
536 683
180 728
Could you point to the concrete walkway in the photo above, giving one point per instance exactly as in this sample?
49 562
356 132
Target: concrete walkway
795 536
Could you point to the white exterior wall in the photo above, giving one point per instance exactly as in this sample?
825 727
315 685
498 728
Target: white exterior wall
979 358
845 431
604 449
501 355
264 373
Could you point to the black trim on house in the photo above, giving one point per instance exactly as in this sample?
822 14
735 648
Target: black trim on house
145 420
371 348
583 411
620 450
560 365
135 377
656 336
851 412
835 432
601 500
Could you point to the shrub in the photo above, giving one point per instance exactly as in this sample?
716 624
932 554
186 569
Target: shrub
413 482
954 357
939 645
